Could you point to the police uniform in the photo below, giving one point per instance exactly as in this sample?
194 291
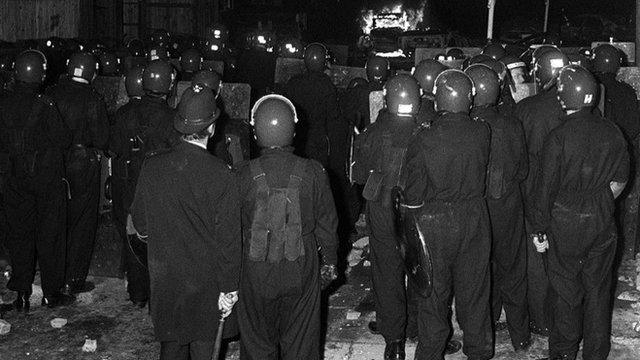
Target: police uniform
280 303
85 113
33 138
573 204
380 154
539 115
508 167
141 128
621 107
446 167
315 98
427 112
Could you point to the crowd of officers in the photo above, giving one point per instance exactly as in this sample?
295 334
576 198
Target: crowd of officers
516 201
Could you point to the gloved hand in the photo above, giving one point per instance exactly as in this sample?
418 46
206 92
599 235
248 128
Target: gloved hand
226 301
328 273
540 241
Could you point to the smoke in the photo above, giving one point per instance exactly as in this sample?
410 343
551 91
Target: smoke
393 15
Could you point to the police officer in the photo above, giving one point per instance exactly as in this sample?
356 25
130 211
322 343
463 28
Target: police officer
316 101
190 63
186 209
141 128
539 115
494 50
378 163
449 202
109 64
621 107
426 73
85 113
584 165
378 71
33 139
160 37
287 212
508 167
157 52
256 67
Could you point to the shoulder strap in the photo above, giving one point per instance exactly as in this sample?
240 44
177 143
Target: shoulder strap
259 176
295 179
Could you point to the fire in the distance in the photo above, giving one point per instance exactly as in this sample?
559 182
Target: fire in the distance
392 16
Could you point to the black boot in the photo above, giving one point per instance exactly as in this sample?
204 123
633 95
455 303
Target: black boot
373 327
58 299
22 304
394 350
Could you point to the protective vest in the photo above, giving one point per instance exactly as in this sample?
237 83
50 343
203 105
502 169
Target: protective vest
276 231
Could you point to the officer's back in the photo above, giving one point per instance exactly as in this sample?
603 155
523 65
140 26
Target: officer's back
453 154
621 104
81 107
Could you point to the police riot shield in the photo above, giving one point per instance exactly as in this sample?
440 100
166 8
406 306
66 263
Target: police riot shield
523 91
630 75
112 90
627 48
413 247
286 68
376 103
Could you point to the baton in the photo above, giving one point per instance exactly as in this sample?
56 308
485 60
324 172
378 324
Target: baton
218 344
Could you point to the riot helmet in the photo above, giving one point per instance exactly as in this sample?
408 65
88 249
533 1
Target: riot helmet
547 66
30 67
426 73
208 78
378 69
403 95
486 83
133 82
82 66
453 90
606 59
109 64
577 88
456 54
158 52
160 37
191 60
218 31
291 48
158 77
315 57
494 51
136 48
274 120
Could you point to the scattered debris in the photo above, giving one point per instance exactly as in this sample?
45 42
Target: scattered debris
362 221
629 296
90 345
361 243
353 315
58 323
5 327
355 256
85 298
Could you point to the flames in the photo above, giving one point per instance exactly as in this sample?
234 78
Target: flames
392 16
